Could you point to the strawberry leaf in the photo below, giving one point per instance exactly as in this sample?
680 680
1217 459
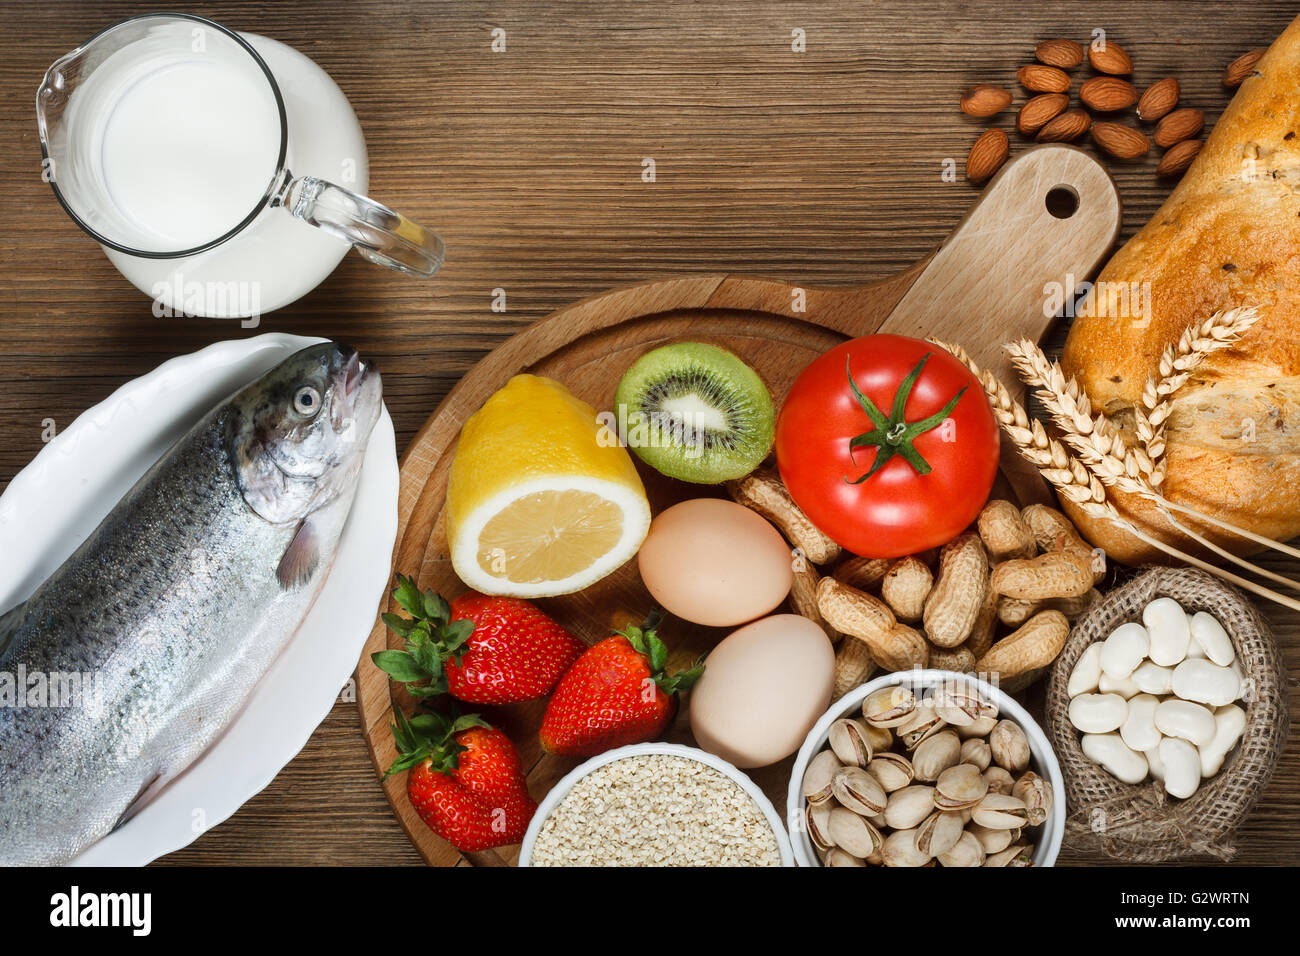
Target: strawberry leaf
401 626
455 634
429 725
658 651
680 681
430 736
399 665
435 607
432 639
408 596
467 721
646 642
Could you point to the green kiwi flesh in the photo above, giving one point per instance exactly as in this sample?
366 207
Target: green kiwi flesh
695 412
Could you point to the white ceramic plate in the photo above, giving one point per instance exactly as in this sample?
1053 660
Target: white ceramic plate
56 501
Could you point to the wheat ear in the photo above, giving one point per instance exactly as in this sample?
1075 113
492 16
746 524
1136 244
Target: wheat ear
1074 480
1219 331
1107 456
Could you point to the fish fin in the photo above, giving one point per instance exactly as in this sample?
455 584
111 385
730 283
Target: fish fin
301 558
146 793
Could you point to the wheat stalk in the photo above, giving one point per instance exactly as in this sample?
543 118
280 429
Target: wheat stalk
1104 452
1177 362
1081 485
1093 437
1069 475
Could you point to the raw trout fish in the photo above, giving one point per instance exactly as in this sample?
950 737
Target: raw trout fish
176 605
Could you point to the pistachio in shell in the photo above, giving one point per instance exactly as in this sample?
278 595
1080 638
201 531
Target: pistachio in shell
817 778
859 791
850 742
960 787
892 771
936 754
1000 811
938 833
967 851
909 806
889 706
1010 746
853 833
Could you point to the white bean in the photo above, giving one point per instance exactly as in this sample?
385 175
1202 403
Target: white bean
1182 718
1139 727
1206 683
1098 713
1182 766
1087 671
1153 762
1208 634
1168 630
1116 757
1230 722
1123 651
1126 688
1154 679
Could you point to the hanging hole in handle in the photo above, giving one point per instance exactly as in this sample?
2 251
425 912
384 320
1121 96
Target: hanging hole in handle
1062 201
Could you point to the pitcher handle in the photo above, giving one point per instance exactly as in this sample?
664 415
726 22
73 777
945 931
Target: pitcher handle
377 232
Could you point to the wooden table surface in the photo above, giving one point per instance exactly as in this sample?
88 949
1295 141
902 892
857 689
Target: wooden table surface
822 167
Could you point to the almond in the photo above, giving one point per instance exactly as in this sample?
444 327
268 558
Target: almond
1040 110
1043 79
987 154
984 99
1066 128
1178 126
1107 57
1122 142
1178 157
1108 94
1241 67
1060 53
1160 97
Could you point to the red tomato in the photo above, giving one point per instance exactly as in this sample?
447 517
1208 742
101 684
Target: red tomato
937 470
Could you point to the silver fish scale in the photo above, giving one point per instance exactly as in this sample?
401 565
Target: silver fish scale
177 612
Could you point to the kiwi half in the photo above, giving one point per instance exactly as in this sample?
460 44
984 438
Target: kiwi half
695 412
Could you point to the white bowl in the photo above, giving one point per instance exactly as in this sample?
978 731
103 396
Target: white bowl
1048 836
561 790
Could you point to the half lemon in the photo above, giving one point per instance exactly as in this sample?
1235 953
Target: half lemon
541 499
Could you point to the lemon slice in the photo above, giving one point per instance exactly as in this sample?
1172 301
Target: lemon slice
541 499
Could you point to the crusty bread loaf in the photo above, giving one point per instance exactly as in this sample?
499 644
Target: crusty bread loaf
1228 236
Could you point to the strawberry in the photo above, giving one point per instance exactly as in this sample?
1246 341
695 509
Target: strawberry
617 693
480 649
466 780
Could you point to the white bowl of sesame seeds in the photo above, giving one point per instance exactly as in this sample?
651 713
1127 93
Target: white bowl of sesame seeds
656 804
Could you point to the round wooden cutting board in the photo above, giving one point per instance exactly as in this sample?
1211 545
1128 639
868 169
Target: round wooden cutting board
1049 216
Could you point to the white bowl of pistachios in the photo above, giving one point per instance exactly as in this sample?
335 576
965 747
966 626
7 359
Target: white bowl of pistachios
922 768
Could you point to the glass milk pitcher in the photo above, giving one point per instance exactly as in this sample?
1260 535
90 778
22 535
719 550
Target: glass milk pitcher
192 153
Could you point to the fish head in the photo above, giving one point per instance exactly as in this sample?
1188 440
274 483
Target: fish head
298 434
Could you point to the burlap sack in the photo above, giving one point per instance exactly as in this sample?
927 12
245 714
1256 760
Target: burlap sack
1141 824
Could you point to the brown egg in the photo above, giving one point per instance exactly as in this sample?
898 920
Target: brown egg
762 690
715 562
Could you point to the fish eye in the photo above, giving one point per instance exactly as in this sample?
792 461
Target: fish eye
306 401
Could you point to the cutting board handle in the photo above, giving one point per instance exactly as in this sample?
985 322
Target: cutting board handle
1040 228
